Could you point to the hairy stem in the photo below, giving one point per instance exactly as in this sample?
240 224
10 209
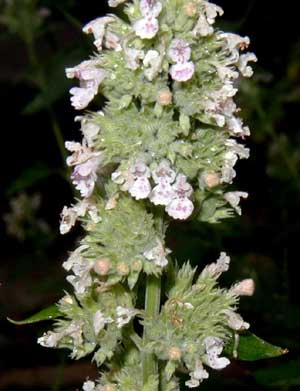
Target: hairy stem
152 305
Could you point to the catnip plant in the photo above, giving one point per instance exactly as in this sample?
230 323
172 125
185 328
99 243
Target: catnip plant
162 147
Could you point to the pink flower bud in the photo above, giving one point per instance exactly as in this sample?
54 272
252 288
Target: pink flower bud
244 288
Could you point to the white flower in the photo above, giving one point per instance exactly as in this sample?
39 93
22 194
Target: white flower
158 254
89 129
98 27
234 197
123 178
99 321
182 71
163 173
202 27
140 187
152 63
115 3
90 77
220 266
132 57
179 51
197 376
50 339
212 11
235 124
243 66
84 176
68 220
150 7
81 268
88 386
214 347
235 321
181 207
162 194
112 41
124 315
146 28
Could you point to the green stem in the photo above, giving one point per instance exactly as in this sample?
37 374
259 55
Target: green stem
152 305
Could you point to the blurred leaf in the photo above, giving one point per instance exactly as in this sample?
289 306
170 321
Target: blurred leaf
48 313
57 85
287 374
29 177
252 348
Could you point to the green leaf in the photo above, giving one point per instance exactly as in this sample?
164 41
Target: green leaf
252 348
286 374
48 313
29 177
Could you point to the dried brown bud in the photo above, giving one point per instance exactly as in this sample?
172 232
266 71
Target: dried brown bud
102 266
174 353
109 387
164 97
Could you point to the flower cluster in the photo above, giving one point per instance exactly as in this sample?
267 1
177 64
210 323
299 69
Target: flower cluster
170 190
163 147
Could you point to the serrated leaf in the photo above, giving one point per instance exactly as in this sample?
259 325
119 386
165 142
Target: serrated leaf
48 313
253 348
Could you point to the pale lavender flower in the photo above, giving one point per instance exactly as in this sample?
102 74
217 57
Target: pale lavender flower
133 57
97 27
163 173
182 72
235 321
152 64
90 77
150 7
68 219
99 321
214 347
115 3
179 51
197 376
124 315
162 194
220 266
158 254
141 187
84 176
146 28
234 197
245 69
181 207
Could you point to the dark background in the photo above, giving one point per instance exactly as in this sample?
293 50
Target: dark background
264 243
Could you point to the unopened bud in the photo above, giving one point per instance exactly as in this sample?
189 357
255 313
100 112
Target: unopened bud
123 269
211 179
164 97
190 9
102 266
174 353
137 265
244 288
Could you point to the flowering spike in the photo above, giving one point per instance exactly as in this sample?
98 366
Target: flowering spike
164 147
